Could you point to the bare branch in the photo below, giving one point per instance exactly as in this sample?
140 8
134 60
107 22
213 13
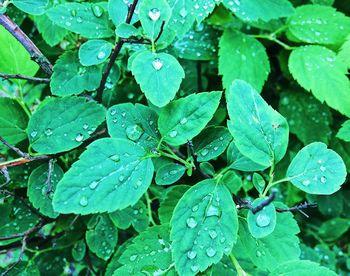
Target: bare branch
160 32
22 77
299 208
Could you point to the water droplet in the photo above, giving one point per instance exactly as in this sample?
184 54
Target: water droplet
121 178
33 134
213 211
101 55
211 252
183 12
306 182
134 132
83 201
263 220
183 121
195 208
204 152
173 134
323 179
157 64
258 253
322 168
194 268
48 132
79 19
113 112
191 222
154 14
97 10
115 158
133 257
93 185
68 24
213 234
79 137
85 126
191 254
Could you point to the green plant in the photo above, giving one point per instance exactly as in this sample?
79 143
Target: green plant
113 161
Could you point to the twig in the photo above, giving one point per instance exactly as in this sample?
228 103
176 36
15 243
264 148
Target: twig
6 174
49 177
246 204
136 41
31 48
160 32
299 208
114 55
263 204
16 150
23 247
22 77
194 157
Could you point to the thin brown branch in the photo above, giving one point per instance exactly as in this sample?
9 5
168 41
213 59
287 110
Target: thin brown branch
16 150
35 228
298 207
31 48
160 32
22 77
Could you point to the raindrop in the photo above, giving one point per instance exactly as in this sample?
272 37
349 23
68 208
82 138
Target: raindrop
322 168
157 64
68 24
83 201
191 222
213 211
213 234
113 112
97 10
133 257
154 14
183 121
101 55
85 126
191 254
194 268
79 19
33 134
48 132
258 253
121 178
263 220
93 185
115 158
323 179
195 208
204 152
79 137
134 132
183 12
211 252
306 182
173 134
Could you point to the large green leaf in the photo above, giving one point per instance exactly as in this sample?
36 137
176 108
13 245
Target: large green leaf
319 24
94 52
301 267
202 8
51 33
110 175
318 70
41 188
70 77
242 57
13 121
88 20
260 132
251 10
317 170
35 7
14 59
102 238
183 119
118 10
159 76
181 19
204 227
61 124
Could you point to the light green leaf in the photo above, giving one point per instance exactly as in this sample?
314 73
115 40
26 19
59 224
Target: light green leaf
242 57
51 33
169 173
319 24
262 223
251 10
317 170
125 30
323 2
118 10
110 175
13 121
61 124
344 131
318 70
344 52
40 191
14 59
211 142
204 227
301 267
202 8
94 52
260 132
35 7
159 76
280 246
181 17
70 77
102 238
150 249
137 123
88 20
183 119
134 215
259 183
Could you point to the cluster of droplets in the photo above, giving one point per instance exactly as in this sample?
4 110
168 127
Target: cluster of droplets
204 152
322 179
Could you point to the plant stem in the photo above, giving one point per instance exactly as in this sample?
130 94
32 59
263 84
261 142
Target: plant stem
175 157
273 38
22 77
149 209
239 269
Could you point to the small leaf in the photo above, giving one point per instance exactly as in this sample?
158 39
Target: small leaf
159 76
169 174
183 119
260 132
51 33
94 52
344 52
118 11
204 227
258 182
344 131
317 170
125 30
262 223
61 124
79 250
301 267
35 7
117 177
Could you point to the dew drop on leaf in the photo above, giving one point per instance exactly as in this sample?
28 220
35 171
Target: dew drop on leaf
79 19
85 126
157 64
101 55
183 121
191 254
191 222
48 132
211 252
173 134
194 268
113 112
204 152
213 234
213 211
323 179
154 14
322 168
195 208
33 134
306 182
263 220
83 201
134 132
133 257
79 137
115 158
258 253
97 10
93 185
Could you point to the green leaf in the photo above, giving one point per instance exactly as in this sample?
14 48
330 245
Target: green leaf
171 198
40 191
14 59
344 131
118 10
70 77
319 24
262 223
242 57
118 175
88 20
61 124
323 2
134 215
125 30
103 237
305 114
211 142
301 267
259 183
51 33
35 7
79 250
169 173
202 8
183 119
94 52
344 52
181 18
150 249
204 227
260 132
159 76
280 246
13 121
317 170
137 123
333 229
318 70
251 10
